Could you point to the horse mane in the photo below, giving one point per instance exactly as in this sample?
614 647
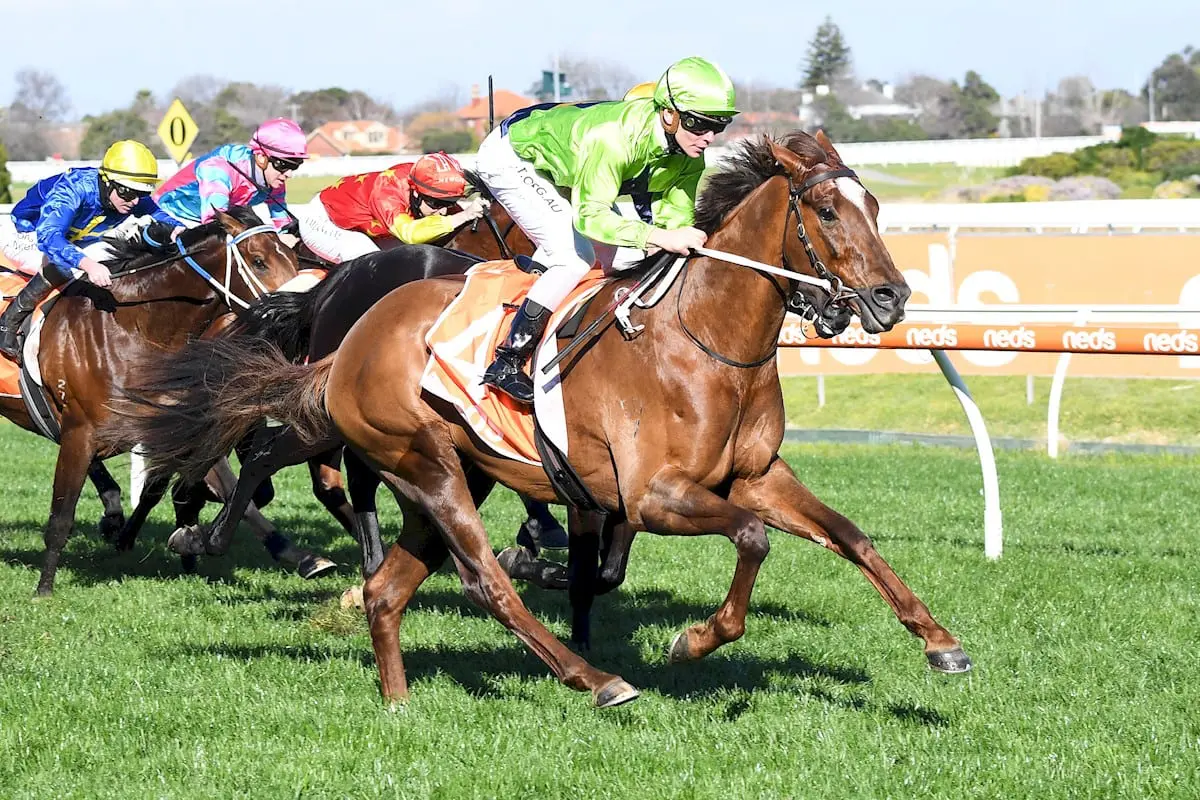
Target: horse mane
130 253
749 166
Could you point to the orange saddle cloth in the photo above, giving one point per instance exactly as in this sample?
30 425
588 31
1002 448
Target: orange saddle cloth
462 343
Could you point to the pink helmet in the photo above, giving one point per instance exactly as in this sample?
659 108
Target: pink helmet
279 137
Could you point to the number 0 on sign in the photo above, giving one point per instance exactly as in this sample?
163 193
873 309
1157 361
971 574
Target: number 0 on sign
177 131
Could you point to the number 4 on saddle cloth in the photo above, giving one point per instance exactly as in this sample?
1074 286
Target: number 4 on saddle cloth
461 344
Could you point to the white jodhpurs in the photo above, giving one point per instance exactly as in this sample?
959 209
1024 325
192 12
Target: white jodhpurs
546 217
20 249
326 239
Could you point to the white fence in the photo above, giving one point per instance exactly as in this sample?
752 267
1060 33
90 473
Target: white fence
963 152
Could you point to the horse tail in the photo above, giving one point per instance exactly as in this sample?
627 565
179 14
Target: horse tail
190 409
284 318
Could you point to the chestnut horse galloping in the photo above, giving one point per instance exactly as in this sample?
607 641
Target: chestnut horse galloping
676 432
159 300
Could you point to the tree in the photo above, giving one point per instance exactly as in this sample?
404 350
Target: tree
40 102
1176 86
594 79
113 126
937 100
828 56
41 95
5 178
449 141
975 100
316 108
250 104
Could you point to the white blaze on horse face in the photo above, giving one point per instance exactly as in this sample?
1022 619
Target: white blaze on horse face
853 191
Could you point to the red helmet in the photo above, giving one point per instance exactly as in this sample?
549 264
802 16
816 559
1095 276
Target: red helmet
438 175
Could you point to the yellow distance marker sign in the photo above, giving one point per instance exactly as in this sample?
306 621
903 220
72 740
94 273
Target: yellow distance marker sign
177 131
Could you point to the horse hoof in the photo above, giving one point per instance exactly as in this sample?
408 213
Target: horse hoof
314 567
519 565
951 662
353 598
186 541
111 526
615 693
678 652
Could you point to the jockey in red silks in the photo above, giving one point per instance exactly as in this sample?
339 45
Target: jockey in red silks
416 203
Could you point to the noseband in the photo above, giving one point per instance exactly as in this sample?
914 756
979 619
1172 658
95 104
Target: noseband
232 254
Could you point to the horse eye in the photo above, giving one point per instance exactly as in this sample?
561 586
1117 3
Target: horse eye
827 214
259 264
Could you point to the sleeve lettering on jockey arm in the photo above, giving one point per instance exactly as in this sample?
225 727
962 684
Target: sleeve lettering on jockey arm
675 207
597 185
420 231
53 224
214 183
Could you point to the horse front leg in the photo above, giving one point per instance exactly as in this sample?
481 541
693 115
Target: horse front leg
152 493
363 484
785 503
676 505
75 453
325 470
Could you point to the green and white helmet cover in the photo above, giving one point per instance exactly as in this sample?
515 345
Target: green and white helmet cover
697 85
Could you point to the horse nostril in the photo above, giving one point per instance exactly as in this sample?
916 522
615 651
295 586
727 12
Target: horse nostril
885 297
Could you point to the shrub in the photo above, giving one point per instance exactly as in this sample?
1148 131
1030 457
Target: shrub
1055 165
450 141
5 178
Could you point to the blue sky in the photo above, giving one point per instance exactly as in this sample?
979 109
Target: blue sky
402 52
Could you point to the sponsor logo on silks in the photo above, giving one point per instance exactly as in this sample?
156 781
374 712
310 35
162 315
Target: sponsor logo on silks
943 336
1021 338
1178 342
1099 340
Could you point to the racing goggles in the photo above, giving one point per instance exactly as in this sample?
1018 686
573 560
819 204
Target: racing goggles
701 124
128 193
285 164
439 203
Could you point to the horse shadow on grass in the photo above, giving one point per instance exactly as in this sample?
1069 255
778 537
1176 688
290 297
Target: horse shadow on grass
482 670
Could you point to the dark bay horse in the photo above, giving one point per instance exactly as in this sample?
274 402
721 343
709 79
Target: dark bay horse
159 299
676 432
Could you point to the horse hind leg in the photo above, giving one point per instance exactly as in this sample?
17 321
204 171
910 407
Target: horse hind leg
786 504
113 521
435 480
326 473
71 469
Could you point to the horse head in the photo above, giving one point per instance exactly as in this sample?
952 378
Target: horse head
837 233
254 260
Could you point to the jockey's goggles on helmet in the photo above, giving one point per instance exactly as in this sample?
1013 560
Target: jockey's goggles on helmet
128 193
439 202
285 164
694 121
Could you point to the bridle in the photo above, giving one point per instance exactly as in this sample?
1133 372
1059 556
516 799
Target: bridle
794 300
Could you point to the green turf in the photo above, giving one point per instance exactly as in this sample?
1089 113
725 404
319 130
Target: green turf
1133 410
245 681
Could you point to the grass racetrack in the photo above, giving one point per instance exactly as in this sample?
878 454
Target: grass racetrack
246 681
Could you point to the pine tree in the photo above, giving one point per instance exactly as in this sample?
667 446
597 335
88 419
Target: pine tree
828 56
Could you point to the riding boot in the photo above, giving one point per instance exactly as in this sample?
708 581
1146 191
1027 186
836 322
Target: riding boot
507 372
14 316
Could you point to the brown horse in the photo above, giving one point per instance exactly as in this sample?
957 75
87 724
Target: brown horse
159 299
675 432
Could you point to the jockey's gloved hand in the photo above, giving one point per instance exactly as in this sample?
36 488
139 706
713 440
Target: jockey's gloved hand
474 208
158 235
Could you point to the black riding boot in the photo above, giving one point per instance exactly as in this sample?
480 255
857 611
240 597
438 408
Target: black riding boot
507 372
14 316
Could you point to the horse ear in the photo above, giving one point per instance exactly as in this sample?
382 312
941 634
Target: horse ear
827 146
229 222
787 159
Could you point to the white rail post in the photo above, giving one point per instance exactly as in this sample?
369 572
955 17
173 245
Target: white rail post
993 526
1056 391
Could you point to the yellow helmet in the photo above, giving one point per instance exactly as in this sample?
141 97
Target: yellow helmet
131 164
640 91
